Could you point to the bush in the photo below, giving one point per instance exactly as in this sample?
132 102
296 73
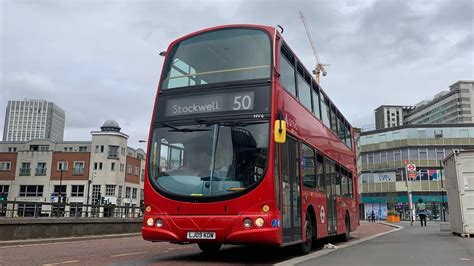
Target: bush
391 212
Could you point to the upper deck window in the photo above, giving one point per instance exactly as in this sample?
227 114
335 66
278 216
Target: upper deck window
218 56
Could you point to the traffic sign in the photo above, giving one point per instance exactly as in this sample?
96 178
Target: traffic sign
412 175
411 167
405 162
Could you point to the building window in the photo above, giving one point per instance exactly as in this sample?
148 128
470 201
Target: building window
95 193
127 192
134 193
25 169
96 148
142 175
41 169
78 168
4 192
82 148
130 169
95 166
110 190
63 190
65 149
122 167
113 152
112 166
31 191
62 166
122 151
136 171
5 166
98 166
77 191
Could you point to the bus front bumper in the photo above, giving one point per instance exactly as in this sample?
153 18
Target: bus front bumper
227 229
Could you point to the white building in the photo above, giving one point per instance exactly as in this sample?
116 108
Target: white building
33 119
81 172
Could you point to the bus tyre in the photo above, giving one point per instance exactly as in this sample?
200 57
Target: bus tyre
347 230
209 247
305 247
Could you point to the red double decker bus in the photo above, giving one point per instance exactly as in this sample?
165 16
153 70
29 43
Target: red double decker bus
245 147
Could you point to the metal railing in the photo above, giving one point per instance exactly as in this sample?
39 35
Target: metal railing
25 171
78 171
23 209
40 171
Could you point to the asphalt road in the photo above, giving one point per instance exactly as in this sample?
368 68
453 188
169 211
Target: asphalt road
410 246
135 251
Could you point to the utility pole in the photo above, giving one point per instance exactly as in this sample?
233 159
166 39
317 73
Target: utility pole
442 189
410 198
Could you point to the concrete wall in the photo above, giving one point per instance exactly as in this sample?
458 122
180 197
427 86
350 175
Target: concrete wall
36 228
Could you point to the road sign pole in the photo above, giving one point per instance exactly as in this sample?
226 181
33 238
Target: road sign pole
410 199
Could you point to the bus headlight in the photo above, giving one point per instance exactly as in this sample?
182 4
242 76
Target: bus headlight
149 222
259 222
159 222
247 222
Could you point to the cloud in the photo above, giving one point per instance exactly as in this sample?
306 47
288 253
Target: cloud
99 60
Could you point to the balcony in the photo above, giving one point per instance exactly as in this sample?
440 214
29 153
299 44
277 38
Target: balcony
78 171
25 171
113 155
40 171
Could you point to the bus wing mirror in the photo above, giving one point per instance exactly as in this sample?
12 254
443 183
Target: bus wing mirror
280 131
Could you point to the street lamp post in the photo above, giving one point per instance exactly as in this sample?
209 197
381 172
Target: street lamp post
60 189
442 190
89 181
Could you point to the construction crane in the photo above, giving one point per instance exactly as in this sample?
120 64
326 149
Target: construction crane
320 67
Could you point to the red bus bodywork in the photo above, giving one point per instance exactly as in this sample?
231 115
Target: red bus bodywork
225 218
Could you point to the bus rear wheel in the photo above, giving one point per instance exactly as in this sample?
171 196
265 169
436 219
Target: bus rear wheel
347 232
209 247
305 247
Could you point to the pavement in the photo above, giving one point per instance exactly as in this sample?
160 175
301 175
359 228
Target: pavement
411 245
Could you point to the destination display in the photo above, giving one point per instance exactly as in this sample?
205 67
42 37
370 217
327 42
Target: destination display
210 103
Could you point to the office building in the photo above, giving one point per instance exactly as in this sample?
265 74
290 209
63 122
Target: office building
382 156
447 107
33 119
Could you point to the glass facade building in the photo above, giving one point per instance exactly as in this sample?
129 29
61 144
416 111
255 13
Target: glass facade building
383 154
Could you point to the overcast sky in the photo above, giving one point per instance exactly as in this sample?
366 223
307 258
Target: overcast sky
99 60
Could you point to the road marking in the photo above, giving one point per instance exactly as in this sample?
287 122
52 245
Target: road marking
64 262
128 254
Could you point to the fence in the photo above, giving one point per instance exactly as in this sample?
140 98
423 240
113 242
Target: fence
18 209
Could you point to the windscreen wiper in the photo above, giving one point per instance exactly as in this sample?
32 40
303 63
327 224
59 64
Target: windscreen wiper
176 129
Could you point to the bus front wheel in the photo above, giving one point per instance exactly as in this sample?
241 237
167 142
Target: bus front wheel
209 247
305 247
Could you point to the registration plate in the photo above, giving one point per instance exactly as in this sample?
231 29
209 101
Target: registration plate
201 235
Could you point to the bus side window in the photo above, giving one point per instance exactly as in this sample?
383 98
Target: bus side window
325 111
350 186
316 110
319 172
287 71
338 180
308 165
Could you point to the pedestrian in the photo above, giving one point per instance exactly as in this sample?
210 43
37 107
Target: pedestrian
421 208
372 216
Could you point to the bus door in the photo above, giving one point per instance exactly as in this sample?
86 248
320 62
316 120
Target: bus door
330 181
291 191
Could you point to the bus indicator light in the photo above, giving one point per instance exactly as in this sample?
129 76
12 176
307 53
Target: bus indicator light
148 208
265 208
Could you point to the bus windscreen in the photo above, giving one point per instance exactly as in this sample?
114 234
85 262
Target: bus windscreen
218 56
